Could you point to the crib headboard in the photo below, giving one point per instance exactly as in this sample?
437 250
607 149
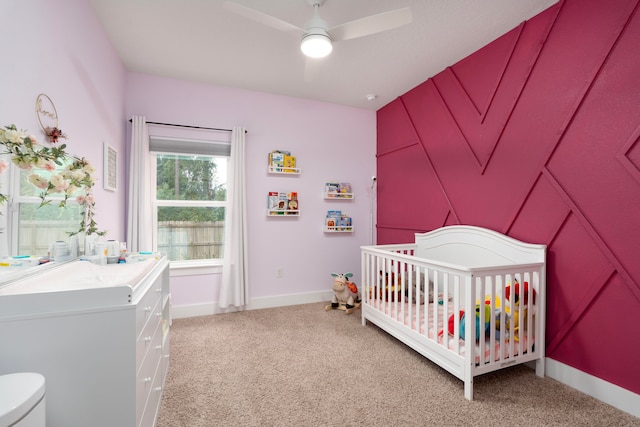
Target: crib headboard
474 247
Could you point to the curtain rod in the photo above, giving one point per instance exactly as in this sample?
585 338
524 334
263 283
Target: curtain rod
187 126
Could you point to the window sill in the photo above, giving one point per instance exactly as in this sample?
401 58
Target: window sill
193 268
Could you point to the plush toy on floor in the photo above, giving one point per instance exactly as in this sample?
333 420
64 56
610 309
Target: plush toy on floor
345 294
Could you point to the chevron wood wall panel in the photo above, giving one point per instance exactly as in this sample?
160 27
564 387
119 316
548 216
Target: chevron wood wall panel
537 135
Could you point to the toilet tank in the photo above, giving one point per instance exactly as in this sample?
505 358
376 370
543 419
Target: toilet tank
22 400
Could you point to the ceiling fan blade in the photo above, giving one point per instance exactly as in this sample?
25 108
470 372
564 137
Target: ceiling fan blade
371 24
260 17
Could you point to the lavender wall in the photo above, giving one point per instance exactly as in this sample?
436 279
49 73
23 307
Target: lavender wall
536 135
331 142
59 48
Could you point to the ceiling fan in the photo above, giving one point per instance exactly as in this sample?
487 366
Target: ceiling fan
317 39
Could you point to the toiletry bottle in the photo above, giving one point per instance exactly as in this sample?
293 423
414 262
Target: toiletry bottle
123 253
101 252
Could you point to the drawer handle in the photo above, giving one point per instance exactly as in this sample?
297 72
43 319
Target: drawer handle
158 290
147 380
147 339
158 389
158 314
159 347
147 309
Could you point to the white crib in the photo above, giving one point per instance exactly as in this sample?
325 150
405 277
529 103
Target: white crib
413 292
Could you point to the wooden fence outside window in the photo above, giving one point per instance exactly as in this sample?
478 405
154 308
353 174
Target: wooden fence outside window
181 240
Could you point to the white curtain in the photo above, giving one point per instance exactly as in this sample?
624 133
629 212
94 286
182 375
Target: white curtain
139 219
234 289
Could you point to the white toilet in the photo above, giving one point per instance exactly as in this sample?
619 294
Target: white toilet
22 400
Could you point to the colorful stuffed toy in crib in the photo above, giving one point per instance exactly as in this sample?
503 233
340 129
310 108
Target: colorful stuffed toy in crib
461 316
515 316
488 320
516 299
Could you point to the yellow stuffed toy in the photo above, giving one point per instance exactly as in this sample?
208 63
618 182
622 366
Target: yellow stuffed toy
516 305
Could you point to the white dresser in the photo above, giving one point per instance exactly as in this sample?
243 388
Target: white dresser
98 334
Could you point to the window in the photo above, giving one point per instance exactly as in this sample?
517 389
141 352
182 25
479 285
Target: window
189 198
33 227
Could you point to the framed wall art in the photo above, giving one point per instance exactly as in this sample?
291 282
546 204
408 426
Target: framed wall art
110 168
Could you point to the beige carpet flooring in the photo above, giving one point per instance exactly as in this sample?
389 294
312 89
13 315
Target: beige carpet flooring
303 366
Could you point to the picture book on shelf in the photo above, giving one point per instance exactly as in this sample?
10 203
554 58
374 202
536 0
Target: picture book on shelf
338 190
292 201
282 161
283 201
344 221
276 159
289 163
344 187
272 200
331 187
338 221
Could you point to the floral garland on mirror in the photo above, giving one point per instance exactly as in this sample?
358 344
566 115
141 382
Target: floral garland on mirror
76 179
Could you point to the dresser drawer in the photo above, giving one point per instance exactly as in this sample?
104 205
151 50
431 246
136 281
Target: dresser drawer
150 338
145 377
165 355
144 308
151 409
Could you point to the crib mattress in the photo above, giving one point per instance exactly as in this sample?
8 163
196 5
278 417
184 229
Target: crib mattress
405 313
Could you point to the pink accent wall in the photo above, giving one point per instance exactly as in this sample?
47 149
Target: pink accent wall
536 135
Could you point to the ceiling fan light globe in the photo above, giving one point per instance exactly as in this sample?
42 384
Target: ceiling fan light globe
316 45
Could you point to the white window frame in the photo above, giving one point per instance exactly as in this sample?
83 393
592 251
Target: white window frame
12 208
185 267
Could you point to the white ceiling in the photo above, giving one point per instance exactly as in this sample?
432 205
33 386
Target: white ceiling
200 40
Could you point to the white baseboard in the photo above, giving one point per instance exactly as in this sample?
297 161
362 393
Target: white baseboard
607 392
207 309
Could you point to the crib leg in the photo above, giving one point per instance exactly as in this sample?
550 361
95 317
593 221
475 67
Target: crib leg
468 389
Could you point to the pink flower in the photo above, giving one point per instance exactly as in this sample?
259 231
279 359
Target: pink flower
59 183
3 166
38 181
81 200
46 164
21 163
